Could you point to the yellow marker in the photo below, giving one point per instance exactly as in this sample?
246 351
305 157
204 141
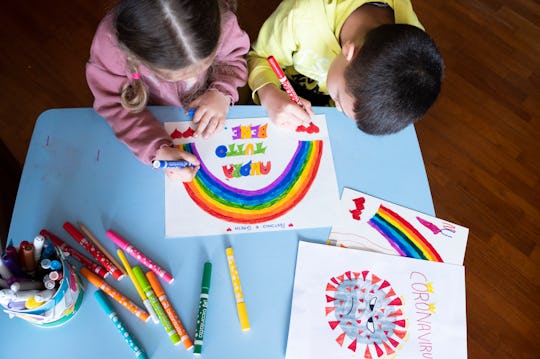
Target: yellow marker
239 296
137 285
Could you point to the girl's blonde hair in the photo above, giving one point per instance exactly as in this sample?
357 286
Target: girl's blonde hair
166 34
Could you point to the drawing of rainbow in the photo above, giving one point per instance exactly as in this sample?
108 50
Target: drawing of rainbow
402 236
256 206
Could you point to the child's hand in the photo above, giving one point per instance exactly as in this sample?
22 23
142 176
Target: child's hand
282 111
212 107
185 174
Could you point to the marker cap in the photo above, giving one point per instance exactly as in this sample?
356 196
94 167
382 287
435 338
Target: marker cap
207 276
243 315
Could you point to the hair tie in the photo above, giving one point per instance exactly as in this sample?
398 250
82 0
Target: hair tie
136 76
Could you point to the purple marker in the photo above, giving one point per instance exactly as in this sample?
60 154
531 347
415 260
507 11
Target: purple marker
172 164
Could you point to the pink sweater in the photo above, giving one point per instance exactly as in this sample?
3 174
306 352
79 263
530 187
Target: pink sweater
107 72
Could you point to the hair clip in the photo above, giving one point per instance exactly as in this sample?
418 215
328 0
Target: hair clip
136 76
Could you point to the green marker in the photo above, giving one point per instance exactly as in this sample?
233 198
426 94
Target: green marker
203 305
154 302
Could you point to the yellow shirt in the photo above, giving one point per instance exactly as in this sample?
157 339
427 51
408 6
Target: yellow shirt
304 34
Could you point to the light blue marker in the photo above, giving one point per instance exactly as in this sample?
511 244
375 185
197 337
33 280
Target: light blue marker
137 349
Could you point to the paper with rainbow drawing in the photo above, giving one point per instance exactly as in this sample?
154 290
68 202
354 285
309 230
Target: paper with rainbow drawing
254 177
372 224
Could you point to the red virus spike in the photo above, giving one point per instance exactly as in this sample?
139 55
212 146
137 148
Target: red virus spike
363 290
349 289
188 133
396 313
400 334
333 324
359 321
388 349
341 278
394 342
391 293
329 299
384 284
176 134
378 349
340 339
329 310
348 274
330 287
367 354
364 274
352 346
356 275
402 323
333 279
374 278
341 302
396 301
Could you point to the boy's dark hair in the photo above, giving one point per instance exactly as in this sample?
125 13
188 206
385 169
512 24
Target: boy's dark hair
169 34
395 78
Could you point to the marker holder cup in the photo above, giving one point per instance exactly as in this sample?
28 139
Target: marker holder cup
62 306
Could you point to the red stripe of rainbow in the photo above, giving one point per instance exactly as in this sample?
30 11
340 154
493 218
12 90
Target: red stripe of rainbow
256 206
402 236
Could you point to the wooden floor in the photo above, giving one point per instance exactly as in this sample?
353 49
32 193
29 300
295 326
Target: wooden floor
480 142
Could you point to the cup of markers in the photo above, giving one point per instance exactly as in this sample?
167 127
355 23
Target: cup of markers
38 284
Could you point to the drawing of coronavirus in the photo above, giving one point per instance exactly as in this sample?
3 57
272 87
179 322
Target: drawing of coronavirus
368 312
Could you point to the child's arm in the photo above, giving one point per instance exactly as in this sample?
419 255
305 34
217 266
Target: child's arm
276 38
106 73
228 72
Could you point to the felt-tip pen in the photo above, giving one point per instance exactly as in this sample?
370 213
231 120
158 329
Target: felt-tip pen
203 307
171 164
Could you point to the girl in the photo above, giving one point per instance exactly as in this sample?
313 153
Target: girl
166 52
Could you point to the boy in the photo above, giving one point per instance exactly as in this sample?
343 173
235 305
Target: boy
371 59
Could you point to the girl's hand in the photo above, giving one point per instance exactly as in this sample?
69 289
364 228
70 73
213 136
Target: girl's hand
212 107
282 110
185 174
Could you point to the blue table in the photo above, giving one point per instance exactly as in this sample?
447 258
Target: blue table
76 170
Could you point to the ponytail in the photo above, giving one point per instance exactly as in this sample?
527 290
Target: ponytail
133 95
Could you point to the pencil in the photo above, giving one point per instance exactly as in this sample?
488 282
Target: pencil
100 246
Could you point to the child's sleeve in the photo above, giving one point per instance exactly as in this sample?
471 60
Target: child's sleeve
106 73
229 70
276 38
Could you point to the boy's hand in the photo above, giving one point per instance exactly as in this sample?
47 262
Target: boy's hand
212 107
185 174
282 110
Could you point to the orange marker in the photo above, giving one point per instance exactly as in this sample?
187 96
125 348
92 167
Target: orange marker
167 306
114 294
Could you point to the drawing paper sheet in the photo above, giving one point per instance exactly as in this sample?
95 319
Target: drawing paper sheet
369 223
254 177
350 303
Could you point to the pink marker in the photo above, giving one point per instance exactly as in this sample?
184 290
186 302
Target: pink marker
94 252
141 258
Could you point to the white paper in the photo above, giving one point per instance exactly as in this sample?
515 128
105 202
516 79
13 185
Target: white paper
248 181
371 224
390 306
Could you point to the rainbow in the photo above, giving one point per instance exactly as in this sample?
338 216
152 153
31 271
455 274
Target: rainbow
402 236
255 206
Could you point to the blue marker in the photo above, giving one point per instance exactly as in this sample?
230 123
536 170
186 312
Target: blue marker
172 164
137 349
191 112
